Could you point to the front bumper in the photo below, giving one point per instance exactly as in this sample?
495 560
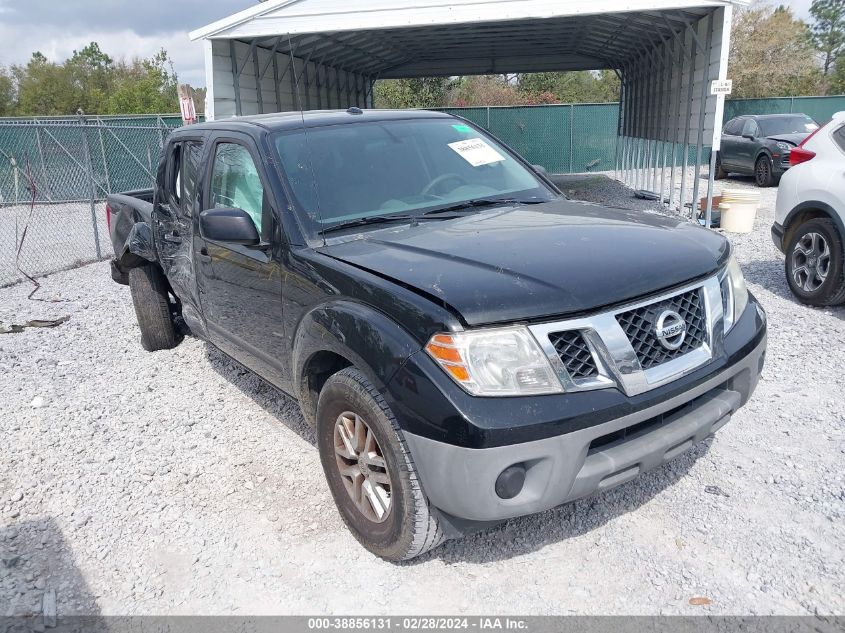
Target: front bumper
460 481
777 236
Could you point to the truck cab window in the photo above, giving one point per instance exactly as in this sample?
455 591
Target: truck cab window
191 153
174 180
235 182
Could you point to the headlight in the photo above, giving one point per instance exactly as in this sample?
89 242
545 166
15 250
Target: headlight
495 362
784 146
734 293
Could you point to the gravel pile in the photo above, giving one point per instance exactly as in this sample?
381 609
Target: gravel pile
177 483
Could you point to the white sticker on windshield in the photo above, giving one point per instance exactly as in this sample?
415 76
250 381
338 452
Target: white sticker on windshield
476 152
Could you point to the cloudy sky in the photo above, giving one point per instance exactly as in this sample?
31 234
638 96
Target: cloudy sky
126 28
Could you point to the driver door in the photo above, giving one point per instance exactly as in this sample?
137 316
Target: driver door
241 292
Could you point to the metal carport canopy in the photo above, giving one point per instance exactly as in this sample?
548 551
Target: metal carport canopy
283 55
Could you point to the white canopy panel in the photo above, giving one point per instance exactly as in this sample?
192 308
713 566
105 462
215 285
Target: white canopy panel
302 54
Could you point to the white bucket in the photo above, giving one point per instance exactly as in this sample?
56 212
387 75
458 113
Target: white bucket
739 209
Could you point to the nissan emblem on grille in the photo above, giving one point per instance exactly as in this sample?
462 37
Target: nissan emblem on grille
670 329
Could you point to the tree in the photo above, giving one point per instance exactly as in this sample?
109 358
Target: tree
145 86
484 90
772 54
828 30
585 86
422 92
7 93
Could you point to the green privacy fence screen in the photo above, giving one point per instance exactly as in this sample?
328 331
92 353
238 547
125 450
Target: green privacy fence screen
582 137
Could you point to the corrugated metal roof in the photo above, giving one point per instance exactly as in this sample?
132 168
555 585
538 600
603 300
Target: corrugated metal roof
454 37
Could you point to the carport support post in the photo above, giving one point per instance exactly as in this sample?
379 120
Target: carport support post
692 59
676 125
702 110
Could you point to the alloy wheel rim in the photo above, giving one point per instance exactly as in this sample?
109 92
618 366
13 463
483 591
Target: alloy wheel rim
762 171
810 262
362 467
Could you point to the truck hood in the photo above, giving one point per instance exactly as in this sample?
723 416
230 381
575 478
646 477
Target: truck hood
792 139
526 262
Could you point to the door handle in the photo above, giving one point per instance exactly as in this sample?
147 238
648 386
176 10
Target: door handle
173 238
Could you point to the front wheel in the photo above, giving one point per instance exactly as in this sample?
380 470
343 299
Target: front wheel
719 173
814 263
764 172
370 471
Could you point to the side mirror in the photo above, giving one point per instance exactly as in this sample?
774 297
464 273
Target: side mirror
229 225
750 137
540 170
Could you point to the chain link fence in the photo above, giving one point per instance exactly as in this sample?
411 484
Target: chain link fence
69 164
54 176
575 138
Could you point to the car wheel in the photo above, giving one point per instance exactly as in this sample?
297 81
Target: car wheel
814 264
763 172
719 173
152 307
370 471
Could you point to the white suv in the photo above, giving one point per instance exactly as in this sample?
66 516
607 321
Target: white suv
809 223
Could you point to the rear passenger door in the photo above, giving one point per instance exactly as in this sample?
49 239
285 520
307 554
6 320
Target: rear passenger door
174 217
747 147
729 152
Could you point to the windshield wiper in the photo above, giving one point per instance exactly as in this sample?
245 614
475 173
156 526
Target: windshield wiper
373 219
480 202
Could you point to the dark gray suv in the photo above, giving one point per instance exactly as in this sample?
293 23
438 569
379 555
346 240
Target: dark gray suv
759 145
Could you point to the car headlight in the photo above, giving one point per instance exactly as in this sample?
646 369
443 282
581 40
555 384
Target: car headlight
785 147
505 361
734 293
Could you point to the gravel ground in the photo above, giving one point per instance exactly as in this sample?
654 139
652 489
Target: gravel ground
177 483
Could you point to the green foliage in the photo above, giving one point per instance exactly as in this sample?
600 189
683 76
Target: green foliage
828 30
772 54
91 81
571 87
423 92
7 93
503 90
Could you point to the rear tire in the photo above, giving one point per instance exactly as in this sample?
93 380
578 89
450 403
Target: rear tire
719 173
370 471
814 263
763 172
150 296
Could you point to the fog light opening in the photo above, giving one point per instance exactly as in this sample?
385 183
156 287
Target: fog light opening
510 481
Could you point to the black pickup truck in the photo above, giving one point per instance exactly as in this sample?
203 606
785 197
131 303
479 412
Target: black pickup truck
471 345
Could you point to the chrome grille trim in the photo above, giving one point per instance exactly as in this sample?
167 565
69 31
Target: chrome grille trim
613 354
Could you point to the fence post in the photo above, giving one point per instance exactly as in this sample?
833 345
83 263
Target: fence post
45 185
488 118
93 185
571 133
105 158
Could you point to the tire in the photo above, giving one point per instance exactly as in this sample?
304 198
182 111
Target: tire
719 173
407 527
152 307
763 169
815 278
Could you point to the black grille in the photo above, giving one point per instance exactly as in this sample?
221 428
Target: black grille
639 325
574 353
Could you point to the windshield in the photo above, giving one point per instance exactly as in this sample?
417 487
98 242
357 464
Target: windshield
800 124
343 173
